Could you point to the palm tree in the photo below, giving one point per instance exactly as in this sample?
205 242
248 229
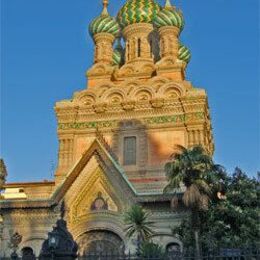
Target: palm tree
138 224
196 170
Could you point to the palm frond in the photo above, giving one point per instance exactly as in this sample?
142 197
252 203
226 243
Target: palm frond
137 222
203 186
192 196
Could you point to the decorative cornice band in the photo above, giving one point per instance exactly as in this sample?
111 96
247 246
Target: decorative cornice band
176 119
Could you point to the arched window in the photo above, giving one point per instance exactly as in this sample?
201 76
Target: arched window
139 48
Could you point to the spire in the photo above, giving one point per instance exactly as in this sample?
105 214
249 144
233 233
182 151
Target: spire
105 5
168 5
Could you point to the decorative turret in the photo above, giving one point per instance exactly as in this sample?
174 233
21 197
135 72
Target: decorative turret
104 23
104 29
170 23
169 16
151 43
136 20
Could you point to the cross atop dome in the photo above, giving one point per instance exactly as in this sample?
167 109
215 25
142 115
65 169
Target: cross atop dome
105 5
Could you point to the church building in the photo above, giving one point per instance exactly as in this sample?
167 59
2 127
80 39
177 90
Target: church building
116 135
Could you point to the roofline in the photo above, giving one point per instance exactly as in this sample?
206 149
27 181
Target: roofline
48 203
28 184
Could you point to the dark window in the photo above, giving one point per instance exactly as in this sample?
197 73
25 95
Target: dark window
128 51
151 48
130 150
139 47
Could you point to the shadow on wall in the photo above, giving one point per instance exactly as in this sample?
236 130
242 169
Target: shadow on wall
132 140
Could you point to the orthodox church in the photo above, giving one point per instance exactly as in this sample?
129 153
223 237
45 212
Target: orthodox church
116 135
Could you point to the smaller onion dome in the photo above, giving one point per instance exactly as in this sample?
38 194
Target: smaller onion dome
138 11
118 53
104 23
184 54
169 16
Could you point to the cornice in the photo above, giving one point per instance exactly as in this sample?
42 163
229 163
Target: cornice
178 120
29 184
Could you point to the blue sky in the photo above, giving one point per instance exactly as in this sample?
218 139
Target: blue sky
46 49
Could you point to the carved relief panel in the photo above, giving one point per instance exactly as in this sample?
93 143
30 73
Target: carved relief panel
97 195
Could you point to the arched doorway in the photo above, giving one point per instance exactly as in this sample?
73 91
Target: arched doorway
100 241
27 254
173 248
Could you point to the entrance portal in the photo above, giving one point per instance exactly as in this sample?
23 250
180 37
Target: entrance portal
100 241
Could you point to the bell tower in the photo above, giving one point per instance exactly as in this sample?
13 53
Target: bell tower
137 97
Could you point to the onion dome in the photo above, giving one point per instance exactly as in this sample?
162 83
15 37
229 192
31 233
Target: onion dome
169 16
138 11
118 53
104 23
184 54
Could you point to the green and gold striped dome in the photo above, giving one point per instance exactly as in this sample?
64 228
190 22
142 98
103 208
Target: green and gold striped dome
117 57
138 11
118 53
184 53
169 16
104 24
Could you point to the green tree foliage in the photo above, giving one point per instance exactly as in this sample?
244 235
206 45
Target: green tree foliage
151 250
231 221
139 226
201 177
3 173
137 221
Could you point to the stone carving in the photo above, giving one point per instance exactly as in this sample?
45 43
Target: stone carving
157 103
191 117
128 105
15 241
83 202
100 108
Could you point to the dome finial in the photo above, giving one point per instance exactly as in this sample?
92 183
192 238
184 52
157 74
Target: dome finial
105 5
168 5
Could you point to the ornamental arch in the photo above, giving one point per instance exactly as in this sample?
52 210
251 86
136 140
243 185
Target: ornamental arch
102 241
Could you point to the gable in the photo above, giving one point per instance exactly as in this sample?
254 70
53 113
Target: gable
96 155
93 192
96 179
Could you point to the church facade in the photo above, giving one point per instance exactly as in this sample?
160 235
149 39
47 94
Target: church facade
116 135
